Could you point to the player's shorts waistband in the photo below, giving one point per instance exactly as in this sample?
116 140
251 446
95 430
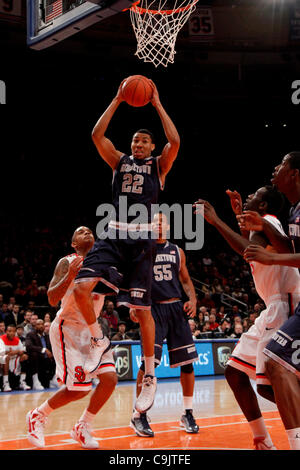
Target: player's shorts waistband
295 296
168 301
130 227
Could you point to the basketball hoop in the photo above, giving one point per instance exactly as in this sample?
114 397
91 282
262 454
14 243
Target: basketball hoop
156 27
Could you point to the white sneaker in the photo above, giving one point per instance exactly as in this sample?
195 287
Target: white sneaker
35 428
146 397
53 383
81 433
260 444
36 384
24 386
97 348
6 387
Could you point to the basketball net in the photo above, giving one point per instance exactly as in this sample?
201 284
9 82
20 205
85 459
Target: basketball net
156 28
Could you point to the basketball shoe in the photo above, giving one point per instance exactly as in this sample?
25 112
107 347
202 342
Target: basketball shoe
97 348
188 422
260 444
35 427
141 425
82 433
146 397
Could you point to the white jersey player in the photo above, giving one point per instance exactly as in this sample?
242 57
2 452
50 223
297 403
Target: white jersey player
279 287
70 341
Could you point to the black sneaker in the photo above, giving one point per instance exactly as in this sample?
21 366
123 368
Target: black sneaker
141 426
188 422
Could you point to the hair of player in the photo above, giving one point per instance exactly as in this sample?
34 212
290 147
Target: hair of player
274 199
294 160
146 131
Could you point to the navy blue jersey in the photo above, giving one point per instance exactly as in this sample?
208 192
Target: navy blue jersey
166 268
139 180
294 227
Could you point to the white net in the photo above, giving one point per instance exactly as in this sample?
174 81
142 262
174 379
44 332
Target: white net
156 26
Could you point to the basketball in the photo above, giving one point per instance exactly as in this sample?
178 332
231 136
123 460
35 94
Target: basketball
137 91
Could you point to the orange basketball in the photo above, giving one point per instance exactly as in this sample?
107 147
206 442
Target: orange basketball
137 91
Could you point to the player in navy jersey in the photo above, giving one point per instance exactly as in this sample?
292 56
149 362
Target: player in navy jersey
170 276
120 261
283 365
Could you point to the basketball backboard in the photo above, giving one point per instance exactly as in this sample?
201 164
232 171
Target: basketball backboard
50 21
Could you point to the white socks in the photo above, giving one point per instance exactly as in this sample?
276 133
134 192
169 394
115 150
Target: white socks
187 403
294 438
259 429
96 330
45 408
149 365
87 417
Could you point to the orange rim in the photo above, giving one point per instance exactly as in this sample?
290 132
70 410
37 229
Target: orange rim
134 7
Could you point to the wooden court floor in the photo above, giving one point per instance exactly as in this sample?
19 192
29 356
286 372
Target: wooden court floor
222 425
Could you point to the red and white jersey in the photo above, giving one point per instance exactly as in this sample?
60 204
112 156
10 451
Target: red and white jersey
69 309
15 344
274 279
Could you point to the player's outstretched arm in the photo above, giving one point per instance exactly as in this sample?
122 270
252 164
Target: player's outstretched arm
259 254
64 274
188 287
170 151
251 220
105 147
237 242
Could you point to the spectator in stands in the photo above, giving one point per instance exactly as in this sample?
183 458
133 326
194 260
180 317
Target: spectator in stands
246 323
194 329
111 315
47 317
225 327
213 325
3 311
121 335
20 293
252 317
206 327
237 330
20 333
201 320
30 327
47 325
205 312
220 313
27 317
41 359
14 317
207 301
1 301
12 360
32 289
2 328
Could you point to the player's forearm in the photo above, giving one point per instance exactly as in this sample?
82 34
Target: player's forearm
237 242
168 125
281 243
286 259
103 122
55 293
189 289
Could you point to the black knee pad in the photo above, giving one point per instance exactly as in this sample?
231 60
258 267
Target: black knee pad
187 368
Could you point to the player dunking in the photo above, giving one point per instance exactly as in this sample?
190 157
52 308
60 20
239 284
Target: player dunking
283 365
170 314
70 340
277 286
119 261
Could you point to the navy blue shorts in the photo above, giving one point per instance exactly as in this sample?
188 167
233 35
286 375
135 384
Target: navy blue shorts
284 346
171 323
123 267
